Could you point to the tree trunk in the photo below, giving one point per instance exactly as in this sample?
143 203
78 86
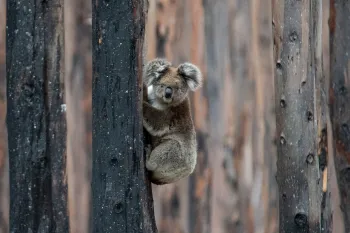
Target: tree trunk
36 116
121 192
322 113
264 199
77 79
298 114
339 98
224 200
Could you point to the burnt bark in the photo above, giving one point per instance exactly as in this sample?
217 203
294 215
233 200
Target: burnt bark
339 98
36 116
298 114
121 192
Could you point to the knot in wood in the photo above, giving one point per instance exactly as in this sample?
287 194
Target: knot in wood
283 103
310 158
279 65
118 207
309 115
282 140
114 161
300 220
293 36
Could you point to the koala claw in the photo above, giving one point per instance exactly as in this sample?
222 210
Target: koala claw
151 166
148 150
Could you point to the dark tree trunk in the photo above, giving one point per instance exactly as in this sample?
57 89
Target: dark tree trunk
121 192
36 116
339 98
298 114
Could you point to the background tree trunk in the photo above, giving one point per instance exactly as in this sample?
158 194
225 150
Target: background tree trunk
78 78
121 194
4 178
215 41
299 115
339 98
36 116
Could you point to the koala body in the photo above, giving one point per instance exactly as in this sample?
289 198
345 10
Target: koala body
167 118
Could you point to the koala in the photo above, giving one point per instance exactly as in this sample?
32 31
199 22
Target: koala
167 118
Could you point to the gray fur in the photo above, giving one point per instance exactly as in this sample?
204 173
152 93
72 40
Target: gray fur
173 154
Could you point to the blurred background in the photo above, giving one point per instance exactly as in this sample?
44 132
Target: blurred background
233 188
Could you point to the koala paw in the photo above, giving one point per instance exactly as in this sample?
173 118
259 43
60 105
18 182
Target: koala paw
148 150
151 166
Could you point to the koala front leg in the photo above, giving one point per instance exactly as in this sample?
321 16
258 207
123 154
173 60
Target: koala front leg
148 150
156 122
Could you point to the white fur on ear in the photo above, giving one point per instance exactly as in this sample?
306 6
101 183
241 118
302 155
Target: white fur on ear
192 84
192 75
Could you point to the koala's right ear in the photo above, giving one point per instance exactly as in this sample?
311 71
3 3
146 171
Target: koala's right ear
154 69
192 75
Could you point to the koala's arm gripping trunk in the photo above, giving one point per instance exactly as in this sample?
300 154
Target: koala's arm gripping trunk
156 122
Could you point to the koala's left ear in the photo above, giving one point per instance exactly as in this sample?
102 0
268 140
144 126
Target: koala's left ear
192 75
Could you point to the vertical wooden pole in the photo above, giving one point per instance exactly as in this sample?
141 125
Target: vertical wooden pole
297 75
36 116
121 194
339 99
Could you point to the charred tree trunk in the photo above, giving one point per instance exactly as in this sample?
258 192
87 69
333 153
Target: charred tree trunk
299 117
121 192
36 116
78 78
339 99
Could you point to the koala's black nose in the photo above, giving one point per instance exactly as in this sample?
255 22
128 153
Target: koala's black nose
168 92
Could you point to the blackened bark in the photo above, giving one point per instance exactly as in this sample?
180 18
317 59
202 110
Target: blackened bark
36 116
339 98
298 170
121 192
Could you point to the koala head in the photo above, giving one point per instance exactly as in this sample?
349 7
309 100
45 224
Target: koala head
169 85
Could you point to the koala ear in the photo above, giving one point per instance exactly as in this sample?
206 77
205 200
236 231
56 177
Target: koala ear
192 75
154 69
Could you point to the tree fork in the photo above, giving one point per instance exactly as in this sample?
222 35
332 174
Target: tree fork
36 116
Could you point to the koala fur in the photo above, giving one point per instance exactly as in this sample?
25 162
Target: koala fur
167 118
